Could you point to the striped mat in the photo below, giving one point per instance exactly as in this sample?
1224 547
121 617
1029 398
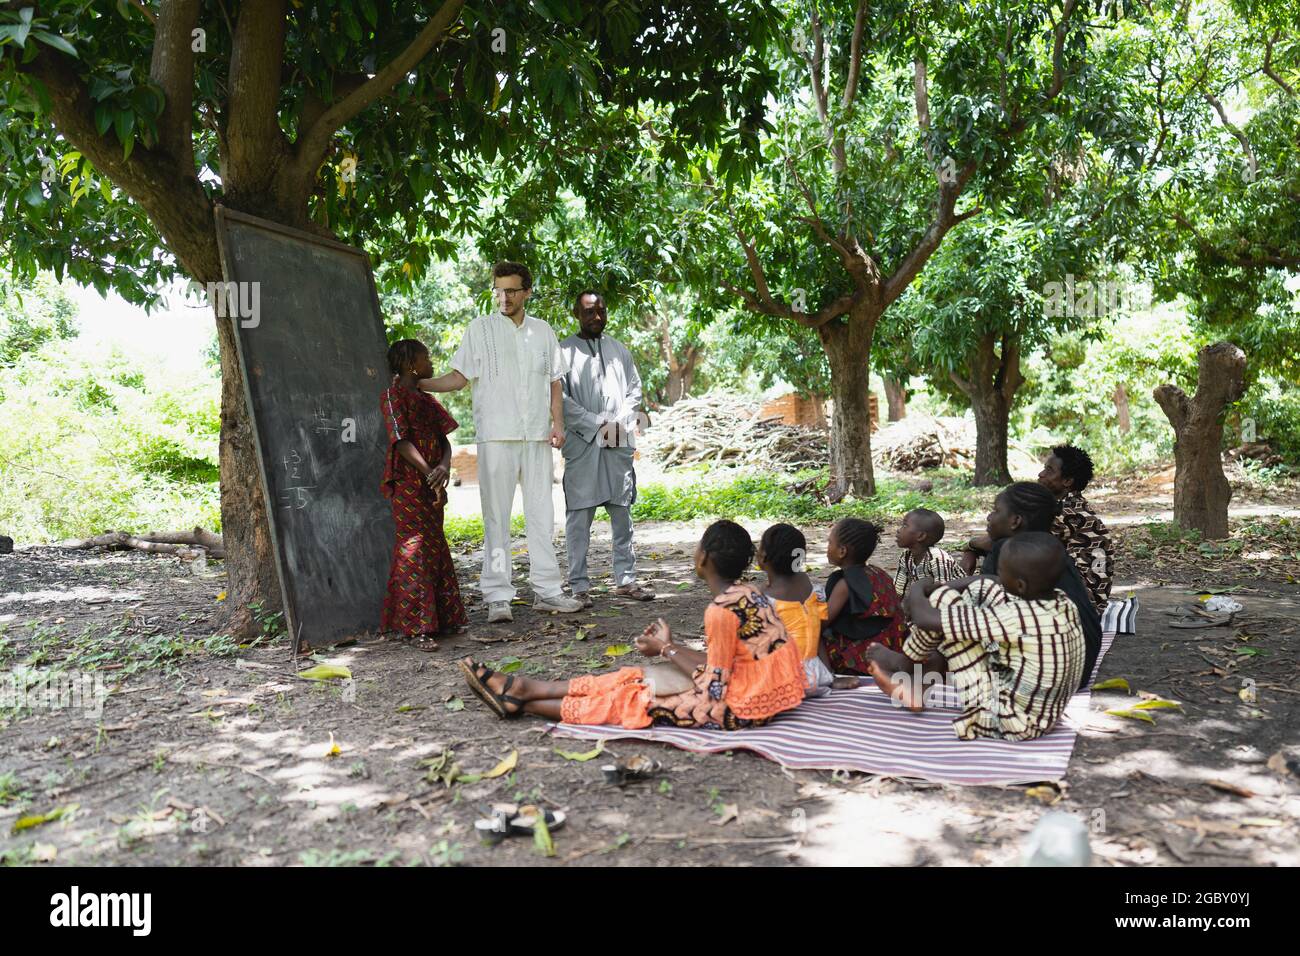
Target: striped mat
862 730
1120 617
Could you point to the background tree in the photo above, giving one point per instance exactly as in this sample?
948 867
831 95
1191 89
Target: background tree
1222 216
373 122
890 114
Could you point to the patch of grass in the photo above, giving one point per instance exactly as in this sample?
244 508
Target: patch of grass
11 791
463 529
772 497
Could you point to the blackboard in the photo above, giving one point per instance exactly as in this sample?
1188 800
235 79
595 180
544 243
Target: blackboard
313 354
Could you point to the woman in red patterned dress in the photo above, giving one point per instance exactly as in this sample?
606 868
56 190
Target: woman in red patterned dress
423 597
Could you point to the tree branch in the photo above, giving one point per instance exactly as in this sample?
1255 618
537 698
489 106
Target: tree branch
1268 65
943 221
1173 402
921 93
149 15
834 137
252 120
1059 28
173 199
172 68
312 144
855 60
1234 130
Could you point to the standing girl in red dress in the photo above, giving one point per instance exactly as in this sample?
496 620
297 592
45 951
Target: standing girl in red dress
423 597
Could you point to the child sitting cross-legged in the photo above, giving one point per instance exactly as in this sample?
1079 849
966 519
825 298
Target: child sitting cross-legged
748 672
861 603
1014 644
917 536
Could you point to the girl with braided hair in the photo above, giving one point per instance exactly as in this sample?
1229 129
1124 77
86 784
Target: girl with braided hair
423 596
782 556
862 603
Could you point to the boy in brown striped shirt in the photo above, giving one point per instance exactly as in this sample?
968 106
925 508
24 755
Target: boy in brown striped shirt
1014 645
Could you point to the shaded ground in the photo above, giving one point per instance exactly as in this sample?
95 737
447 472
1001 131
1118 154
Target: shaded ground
205 752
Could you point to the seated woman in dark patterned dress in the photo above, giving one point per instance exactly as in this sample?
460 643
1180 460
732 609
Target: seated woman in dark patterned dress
423 597
749 671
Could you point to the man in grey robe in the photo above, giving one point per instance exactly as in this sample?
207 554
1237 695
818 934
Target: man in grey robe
602 406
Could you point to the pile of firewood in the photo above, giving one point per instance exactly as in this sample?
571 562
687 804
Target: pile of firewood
919 441
727 429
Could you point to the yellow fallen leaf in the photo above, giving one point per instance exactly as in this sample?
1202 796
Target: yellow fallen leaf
325 672
1131 714
504 767
1158 704
221 596
542 835
39 819
1115 683
334 750
1048 795
589 755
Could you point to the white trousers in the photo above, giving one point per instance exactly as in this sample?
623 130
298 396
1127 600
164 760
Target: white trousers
502 467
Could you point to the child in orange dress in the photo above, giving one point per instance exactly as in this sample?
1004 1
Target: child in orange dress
749 672
801 605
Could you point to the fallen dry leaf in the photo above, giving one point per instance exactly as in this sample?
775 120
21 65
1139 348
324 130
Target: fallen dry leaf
726 814
1230 788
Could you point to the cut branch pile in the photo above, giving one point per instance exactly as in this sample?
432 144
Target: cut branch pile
727 429
185 544
919 441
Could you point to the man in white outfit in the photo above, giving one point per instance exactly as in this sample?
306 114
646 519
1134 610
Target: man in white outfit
514 364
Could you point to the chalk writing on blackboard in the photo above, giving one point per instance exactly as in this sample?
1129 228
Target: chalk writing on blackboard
297 492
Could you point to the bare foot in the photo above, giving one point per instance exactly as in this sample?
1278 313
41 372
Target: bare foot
895 675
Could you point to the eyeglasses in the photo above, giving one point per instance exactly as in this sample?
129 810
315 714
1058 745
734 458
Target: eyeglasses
504 292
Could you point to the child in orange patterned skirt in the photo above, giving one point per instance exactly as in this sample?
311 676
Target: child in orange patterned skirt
749 671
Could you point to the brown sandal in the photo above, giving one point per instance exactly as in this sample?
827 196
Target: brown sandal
423 642
635 592
501 703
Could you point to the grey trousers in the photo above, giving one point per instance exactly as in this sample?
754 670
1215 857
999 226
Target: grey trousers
577 540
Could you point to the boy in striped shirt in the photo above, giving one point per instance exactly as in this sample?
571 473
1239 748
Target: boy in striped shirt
917 536
1014 644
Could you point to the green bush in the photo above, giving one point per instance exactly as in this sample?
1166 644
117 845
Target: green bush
1275 408
96 442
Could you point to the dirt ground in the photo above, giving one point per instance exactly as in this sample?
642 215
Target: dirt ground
207 753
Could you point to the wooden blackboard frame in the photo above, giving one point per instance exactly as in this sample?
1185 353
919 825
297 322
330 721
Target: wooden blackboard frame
225 217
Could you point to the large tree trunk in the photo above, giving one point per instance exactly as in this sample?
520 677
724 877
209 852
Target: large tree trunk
848 350
994 378
896 396
251 569
681 371
1201 489
991 414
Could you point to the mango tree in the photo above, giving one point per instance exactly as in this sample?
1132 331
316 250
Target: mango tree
374 122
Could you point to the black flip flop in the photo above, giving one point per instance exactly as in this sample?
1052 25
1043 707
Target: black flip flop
484 693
